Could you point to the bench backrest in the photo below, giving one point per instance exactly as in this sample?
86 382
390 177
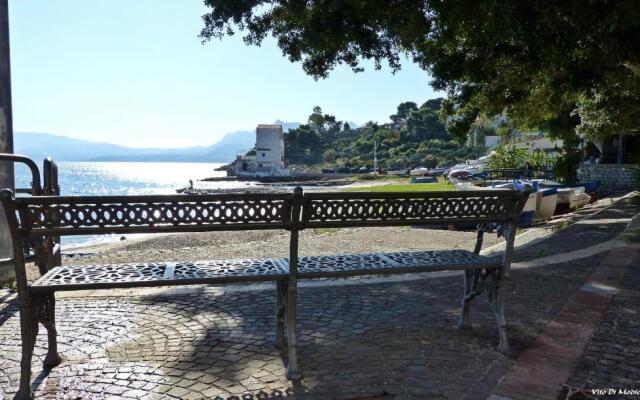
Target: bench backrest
86 215
423 208
83 215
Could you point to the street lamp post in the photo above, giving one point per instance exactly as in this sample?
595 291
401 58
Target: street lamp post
6 137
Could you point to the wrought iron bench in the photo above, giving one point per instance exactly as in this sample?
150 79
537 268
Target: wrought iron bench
37 219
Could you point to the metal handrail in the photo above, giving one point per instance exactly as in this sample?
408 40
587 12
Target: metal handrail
36 188
50 172
533 173
52 188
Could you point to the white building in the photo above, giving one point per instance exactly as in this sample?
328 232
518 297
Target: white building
529 141
266 158
491 141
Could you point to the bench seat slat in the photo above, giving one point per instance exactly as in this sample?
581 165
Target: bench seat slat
385 263
159 274
229 271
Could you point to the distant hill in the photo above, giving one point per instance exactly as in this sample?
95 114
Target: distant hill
286 126
61 148
40 145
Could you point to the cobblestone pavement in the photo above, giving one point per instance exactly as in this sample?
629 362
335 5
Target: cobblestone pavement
543 368
367 341
612 356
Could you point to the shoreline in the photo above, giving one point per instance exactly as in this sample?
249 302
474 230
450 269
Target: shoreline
93 242
255 186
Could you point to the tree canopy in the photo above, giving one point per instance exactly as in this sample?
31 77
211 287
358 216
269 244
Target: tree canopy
546 64
415 137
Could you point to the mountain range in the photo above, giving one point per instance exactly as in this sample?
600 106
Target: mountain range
61 148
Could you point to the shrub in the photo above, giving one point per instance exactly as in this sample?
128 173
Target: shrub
508 156
329 155
538 159
566 166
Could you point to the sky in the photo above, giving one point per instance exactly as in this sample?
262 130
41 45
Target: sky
135 73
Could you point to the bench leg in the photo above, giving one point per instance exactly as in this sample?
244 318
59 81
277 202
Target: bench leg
28 331
500 287
48 320
471 291
281 340
465 323
293 370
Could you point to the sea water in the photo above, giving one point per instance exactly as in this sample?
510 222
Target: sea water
129 178
126 178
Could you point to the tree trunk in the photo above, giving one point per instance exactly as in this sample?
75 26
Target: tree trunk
620 148
635 68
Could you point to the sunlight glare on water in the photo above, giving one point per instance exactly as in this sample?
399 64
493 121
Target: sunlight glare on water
126 178
130 178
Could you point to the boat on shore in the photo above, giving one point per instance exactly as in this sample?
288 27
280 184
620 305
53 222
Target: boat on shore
546 203
424 179
529 211
573 197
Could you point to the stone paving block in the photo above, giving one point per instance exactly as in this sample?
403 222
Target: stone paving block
397 338
555 356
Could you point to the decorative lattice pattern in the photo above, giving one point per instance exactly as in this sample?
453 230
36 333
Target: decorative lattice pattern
357 264
86 215
224 271
230 268
407 209
85 275
79 213
439 257
157 274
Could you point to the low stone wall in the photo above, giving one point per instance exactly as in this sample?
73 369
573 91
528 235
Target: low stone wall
7 273
612 177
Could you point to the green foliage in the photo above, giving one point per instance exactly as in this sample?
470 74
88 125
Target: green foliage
566 166
9 284
417 137
608 111
424 123
308 143
404 111
538 159
329 155
539 62
373 177
505 130
508 156
440 186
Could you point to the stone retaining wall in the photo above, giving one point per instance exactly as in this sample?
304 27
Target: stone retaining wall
7 273
612 177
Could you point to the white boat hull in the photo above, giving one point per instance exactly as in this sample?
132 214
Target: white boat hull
546 206
580 200
530 205
573 197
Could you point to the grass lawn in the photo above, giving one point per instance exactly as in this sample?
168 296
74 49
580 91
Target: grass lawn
441 185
